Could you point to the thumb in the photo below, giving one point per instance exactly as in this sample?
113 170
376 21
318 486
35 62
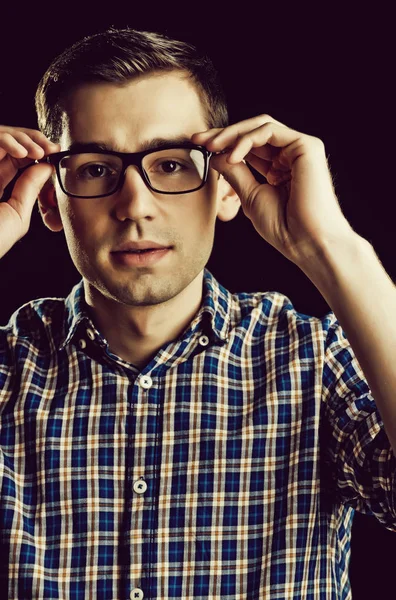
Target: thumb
27 188
239 176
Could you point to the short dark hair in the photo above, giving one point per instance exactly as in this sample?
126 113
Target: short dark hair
118 56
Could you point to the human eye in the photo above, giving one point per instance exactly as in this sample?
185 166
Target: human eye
169 166
95 170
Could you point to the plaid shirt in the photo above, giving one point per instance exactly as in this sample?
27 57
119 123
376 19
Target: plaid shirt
230 466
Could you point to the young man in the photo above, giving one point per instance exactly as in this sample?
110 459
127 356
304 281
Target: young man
161 437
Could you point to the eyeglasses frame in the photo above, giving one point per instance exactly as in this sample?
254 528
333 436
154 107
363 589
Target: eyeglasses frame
128 159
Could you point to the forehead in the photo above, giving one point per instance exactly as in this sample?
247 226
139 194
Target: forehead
125 116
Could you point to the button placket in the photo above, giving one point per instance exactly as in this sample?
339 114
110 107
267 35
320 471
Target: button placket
140 504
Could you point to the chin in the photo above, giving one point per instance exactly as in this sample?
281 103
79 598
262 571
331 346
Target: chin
140 292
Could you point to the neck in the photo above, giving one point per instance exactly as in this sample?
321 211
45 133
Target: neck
135 333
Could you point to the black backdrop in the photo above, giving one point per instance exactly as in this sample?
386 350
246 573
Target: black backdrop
320 71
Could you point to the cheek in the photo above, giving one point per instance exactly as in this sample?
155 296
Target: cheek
200 215
79 226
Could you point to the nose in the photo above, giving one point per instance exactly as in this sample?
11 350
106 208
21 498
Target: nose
135 201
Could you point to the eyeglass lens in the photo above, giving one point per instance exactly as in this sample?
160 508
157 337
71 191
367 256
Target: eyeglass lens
171 170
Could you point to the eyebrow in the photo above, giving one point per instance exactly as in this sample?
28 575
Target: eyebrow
153 144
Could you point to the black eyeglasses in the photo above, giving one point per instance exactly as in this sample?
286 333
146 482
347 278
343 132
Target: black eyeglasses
170 169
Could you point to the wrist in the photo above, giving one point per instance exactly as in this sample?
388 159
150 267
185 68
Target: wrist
336 262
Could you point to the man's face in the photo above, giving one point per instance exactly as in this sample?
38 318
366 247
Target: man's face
123 118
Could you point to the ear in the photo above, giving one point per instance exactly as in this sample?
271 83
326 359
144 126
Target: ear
228 202
48 207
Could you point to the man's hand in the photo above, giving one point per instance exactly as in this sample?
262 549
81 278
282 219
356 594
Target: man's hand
297 211
19 147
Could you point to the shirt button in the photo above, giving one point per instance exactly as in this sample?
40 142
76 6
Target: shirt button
90 334
140 486
145 382
82 344
137 594
204 340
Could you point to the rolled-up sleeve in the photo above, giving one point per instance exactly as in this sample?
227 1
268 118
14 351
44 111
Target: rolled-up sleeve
354 443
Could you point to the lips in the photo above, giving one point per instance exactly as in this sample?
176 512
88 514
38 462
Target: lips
147 256
138 247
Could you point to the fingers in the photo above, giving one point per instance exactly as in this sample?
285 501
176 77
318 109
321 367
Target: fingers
232 132
26 191
245 125
242 142
267 144
262 137
15 214
18 147
20 143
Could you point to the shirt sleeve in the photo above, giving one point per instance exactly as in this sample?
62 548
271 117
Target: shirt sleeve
353 439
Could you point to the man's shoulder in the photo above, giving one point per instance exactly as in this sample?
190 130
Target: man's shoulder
34 321
274 308
257 314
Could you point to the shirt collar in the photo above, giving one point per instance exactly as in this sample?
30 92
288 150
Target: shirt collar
213 317
76 313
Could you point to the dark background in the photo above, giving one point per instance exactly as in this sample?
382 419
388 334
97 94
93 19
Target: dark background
322 71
